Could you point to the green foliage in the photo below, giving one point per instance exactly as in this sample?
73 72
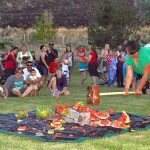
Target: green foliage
44 28
143 7
115 22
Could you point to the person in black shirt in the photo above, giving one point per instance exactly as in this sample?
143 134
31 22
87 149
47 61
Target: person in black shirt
52 54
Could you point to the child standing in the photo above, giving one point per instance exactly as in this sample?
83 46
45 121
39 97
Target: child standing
65 66
111 69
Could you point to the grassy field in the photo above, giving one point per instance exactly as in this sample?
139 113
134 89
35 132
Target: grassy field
133 104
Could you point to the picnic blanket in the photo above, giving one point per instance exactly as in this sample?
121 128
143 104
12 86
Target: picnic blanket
38 128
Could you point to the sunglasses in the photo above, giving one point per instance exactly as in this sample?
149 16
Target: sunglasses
29 65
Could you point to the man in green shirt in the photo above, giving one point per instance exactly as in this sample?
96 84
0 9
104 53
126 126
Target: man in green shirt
138 62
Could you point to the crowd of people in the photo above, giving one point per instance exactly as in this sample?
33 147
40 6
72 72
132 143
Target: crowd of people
25 75
22 74
119 66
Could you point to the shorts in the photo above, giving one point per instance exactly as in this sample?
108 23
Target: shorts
92 68
66 73
82 66
70 68
43 70
11 94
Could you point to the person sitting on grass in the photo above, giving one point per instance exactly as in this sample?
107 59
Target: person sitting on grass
14 85
32 78
58 84
27 72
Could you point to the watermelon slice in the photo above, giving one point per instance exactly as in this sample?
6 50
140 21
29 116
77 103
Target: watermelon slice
65 112
101 115
22 128
56 123
105 122
122 122
124 118
120 125
78 104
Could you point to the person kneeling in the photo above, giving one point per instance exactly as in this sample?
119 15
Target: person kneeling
58 84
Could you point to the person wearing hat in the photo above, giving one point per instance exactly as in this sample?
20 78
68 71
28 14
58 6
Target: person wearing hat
138 62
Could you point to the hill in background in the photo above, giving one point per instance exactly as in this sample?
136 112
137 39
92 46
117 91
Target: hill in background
66 13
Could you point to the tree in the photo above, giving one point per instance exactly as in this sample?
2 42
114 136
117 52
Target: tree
45 30
143 7
115 22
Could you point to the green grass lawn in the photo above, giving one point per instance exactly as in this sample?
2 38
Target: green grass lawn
133 104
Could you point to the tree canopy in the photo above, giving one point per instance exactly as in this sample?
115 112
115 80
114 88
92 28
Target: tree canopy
115 22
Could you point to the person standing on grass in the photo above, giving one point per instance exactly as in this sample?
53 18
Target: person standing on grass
92 65
138 61
103 54
53 66
14 85
43 63
112 71
10 64
52 53
120 62
82 66
65 67
24 54
70 55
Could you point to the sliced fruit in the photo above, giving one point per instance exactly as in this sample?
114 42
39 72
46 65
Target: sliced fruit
51 132
22 128
105 122
124 118
101 115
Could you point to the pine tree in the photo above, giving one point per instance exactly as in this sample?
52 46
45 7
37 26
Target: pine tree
45 30
115 22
